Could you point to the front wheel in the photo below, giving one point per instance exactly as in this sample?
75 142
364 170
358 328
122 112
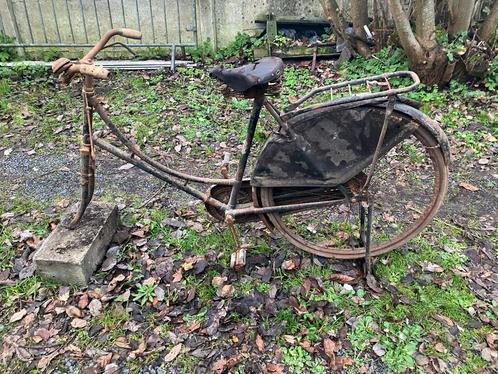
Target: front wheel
407 189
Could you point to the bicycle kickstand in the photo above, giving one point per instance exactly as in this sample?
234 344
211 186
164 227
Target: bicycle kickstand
238 258
366 211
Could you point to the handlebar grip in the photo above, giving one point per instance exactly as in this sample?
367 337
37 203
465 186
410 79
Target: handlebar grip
130 33
94 71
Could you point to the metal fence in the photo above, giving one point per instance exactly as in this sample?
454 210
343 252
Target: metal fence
80 23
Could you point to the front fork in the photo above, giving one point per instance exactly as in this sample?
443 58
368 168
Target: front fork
87 154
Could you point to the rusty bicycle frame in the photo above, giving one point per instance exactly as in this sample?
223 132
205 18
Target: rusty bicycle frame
231 209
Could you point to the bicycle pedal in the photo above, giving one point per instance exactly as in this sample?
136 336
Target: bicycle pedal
238 259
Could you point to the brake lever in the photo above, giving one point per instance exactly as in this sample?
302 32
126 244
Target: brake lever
122 45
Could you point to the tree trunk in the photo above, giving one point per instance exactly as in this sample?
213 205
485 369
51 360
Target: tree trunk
461 12
488 29
407 38
425 24
333 14
359 16
426 57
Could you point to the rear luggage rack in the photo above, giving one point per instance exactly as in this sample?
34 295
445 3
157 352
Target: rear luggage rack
381 81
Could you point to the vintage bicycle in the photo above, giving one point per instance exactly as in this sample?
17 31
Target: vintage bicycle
356 146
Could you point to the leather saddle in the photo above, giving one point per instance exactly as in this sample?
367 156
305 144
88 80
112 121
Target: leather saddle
257 74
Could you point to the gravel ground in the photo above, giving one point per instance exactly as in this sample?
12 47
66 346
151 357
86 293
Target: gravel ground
47 177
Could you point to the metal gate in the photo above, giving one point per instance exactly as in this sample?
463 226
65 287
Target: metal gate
80 23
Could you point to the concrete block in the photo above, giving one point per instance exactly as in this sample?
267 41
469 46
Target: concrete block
71 256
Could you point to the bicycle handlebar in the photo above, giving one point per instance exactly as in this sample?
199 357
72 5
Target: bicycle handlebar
127 33
66 69
94 71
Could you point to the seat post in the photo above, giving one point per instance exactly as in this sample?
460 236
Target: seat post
251 128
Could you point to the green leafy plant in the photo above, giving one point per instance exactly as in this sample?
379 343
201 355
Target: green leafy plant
491 77
400 344
7 53
203 53
298 360
453 47
145 293
241 46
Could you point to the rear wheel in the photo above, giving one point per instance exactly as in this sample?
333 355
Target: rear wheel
407 189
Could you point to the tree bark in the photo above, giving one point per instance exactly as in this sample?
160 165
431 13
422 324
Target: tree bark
359 16
488 29
333 14
425 24
461 12
426 57
407 38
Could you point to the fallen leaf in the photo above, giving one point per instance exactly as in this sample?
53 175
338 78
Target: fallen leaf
95 307
379 349
275 368
125 167
289 339
73 311
342 278
469 187
490 339
175 351
329 347
440 348
43 333
421 360
489 354
18 315
288 265
432 268
219 365
225 291
122 343
83 301
46 360
177 277
218 281
78 323
112 368
260 344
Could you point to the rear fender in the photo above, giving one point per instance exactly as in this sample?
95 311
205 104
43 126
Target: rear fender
427 123
329 146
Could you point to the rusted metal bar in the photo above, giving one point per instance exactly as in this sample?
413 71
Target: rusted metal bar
282 208
87 154
251 128
274 113
380 142
143 166
357 97
134 149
